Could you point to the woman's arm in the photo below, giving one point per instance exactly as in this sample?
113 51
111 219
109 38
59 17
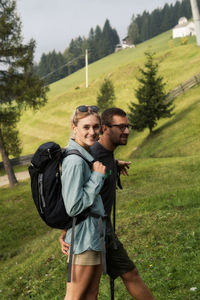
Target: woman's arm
78 194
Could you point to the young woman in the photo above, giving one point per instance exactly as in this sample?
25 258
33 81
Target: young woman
80 189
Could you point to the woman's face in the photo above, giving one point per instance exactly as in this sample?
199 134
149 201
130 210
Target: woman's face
87 131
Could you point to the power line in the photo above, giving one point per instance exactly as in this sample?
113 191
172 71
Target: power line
76 58
47 75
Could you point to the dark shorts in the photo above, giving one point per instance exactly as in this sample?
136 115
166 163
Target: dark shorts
117 260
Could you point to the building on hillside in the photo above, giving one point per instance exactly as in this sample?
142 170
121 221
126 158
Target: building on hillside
126 43
184 28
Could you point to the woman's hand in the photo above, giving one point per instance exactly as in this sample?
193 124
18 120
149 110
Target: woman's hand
64 246
98 167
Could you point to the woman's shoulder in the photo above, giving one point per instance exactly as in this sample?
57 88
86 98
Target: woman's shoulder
73 159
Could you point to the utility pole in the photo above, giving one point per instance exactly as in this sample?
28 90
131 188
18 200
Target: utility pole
86 68
196 17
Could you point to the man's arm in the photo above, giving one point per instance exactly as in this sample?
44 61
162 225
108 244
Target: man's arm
123 166
64 246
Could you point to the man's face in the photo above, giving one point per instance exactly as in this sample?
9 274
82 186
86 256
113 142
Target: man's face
119 134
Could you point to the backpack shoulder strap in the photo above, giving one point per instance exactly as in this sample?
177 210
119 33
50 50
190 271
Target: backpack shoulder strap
76 152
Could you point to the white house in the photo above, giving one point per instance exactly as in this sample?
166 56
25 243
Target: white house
126 43
184 28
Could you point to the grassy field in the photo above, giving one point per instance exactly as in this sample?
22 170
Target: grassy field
158 210
157 220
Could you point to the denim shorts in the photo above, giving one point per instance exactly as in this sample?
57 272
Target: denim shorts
117 260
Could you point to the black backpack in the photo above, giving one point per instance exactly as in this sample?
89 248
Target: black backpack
46 185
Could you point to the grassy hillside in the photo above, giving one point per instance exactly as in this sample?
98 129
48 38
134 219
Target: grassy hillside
157 219
177 136
52 122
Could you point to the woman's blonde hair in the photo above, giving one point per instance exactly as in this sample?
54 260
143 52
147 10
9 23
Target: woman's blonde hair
78 115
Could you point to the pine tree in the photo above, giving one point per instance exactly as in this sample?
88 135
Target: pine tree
92 46
155 22
186 9
106 97
43 66
110 39
166 18
97 41
145 29
19 87
151 97
133 32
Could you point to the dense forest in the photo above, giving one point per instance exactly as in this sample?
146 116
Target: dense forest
100 42
148 25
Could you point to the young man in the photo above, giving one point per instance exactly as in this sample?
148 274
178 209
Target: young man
115 132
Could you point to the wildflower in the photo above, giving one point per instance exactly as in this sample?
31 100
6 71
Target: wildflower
150 265
193 289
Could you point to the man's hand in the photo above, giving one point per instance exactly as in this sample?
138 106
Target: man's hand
123 166
64 246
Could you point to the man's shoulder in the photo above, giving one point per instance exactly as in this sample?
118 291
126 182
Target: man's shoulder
95 146
98 149
95 149
101 154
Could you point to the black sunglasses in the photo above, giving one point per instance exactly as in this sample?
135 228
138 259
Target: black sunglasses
85 108
122 127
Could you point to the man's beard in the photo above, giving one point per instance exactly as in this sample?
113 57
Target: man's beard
122 140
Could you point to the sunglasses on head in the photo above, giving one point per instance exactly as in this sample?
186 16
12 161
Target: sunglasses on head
85 108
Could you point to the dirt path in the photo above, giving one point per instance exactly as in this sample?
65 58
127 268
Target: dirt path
20 176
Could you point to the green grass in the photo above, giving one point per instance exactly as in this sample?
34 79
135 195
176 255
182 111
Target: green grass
157 220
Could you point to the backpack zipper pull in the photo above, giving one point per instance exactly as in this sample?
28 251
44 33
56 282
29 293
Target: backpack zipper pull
40 186
57 177
48 150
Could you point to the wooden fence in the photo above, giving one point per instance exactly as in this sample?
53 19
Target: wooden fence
183 87
22 160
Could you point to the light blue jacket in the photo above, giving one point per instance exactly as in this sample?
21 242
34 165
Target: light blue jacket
80 190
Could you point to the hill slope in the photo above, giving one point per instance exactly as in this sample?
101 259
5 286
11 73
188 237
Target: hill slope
177 64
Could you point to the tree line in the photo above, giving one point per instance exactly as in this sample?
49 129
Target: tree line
100 42
148 25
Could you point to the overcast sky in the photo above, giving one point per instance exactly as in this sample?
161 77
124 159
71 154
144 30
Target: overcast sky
53 23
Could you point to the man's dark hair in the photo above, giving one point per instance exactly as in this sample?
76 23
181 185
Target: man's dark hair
107 115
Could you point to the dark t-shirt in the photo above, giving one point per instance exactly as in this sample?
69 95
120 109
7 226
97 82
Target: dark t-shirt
108 191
